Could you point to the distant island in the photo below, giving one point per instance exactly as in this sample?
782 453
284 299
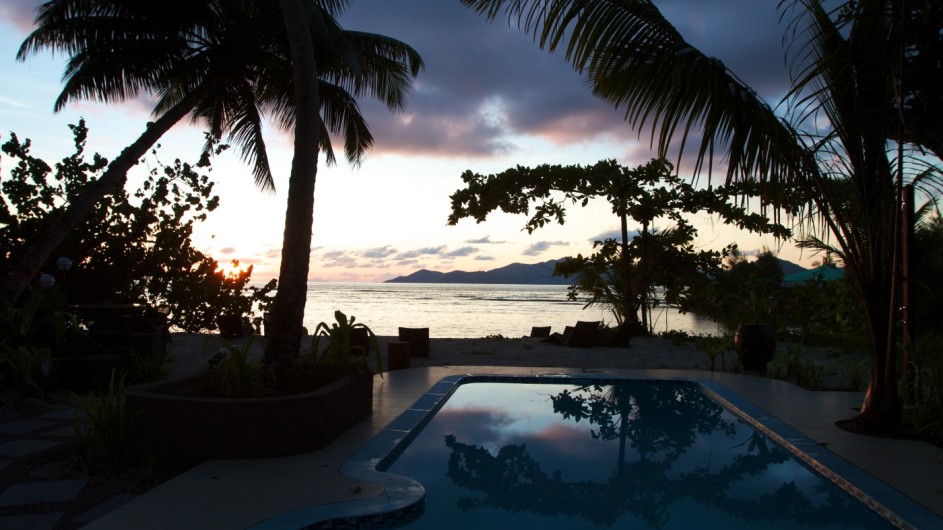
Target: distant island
515 273
529 274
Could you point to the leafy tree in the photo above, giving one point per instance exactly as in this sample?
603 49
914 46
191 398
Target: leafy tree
864 75
928 271
742 291
131 247
622 275
821 309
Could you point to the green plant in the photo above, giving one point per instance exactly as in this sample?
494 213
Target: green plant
677 336
27 369
338 350
28 335
713 347
236 375
757 305
148 368
797 365
925 411
102 422
852 373
82 444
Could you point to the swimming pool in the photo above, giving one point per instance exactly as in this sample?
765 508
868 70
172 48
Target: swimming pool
591 452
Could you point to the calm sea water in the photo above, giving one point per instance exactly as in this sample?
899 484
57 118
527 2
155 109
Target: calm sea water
465 310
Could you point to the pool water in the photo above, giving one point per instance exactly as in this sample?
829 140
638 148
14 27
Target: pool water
624 454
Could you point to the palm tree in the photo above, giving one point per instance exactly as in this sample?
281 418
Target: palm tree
848 64
326 68
225 62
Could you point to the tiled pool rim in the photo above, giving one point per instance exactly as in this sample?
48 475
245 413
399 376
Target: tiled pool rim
403 498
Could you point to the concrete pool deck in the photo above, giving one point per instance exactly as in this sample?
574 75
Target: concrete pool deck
237 494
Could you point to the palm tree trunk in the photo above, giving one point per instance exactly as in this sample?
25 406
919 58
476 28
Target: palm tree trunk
288 308
881 409
67 217
628 307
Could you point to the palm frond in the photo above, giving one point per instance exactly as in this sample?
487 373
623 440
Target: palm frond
636 60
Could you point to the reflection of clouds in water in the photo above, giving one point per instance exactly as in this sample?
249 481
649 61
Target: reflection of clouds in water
492 460
476 424
564 446
576 454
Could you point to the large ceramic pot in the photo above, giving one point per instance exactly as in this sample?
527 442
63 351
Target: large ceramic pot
179 430
755 345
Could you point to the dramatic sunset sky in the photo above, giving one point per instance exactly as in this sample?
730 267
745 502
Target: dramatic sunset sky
489 99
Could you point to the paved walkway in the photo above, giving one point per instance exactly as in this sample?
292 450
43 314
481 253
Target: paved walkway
237 494
34 437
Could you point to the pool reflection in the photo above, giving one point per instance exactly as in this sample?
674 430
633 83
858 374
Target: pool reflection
642 454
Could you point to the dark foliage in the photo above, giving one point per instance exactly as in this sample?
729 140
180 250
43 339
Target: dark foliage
133 247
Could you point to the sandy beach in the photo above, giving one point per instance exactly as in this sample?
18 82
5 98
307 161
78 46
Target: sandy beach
192 352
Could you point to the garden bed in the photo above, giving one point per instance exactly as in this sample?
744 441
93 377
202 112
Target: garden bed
178 430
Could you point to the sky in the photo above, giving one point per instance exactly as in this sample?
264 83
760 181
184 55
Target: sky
489 99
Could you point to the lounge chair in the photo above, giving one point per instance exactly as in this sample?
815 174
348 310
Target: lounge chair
620 337
418 339
582 335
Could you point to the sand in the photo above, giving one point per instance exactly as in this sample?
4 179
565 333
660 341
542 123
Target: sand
192 352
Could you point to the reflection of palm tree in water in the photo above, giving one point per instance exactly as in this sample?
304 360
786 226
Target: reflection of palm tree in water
639 416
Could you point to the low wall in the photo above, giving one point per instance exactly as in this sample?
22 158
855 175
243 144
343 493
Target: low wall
179 431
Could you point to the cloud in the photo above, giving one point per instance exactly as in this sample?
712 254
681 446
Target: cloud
340 259
484 258
615 233
227 250
486 85
427 251
461 252
20 13
378 253
485 241
542 246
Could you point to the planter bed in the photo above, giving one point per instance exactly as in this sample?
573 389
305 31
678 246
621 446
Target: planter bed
178 430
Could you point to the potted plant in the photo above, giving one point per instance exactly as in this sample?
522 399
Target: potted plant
238 309
349 344
235 307
755 344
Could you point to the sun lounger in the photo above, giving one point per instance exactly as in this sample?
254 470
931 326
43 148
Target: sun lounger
589 334
582 335
418 339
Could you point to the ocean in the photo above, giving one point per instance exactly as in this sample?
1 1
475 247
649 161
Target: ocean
467 310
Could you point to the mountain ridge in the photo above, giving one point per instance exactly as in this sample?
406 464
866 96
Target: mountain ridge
515 273
520 274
